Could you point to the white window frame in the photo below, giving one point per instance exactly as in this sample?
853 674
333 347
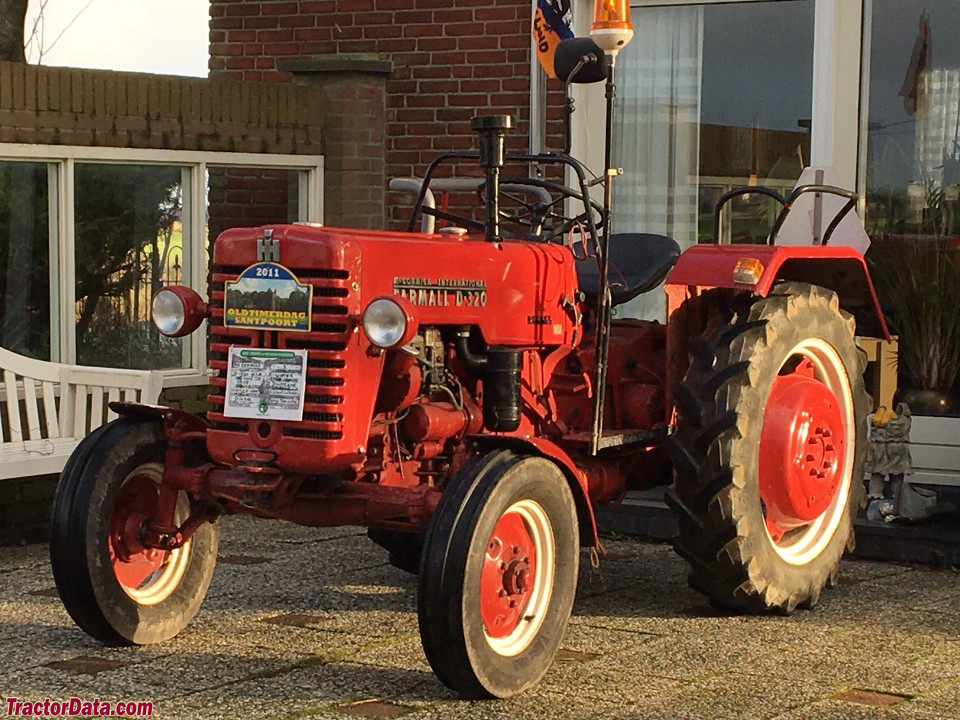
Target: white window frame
61 161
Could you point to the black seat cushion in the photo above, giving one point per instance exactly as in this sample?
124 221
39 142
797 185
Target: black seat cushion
638 263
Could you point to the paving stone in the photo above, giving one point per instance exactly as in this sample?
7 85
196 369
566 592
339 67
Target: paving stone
314 623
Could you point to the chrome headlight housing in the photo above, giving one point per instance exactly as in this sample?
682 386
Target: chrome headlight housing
389 322
178 310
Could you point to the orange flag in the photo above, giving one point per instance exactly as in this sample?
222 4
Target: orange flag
551 24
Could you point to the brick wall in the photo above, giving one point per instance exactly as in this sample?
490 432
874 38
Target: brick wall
451 61
69 106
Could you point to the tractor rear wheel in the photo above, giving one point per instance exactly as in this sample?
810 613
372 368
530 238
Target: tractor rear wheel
769 451
116 590
498 574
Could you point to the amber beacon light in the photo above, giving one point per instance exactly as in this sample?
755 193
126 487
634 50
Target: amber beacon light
611 28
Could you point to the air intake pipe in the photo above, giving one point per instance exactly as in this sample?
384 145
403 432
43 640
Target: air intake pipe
499 368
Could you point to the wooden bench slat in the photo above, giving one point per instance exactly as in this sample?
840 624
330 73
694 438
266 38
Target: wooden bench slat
79 411
96 409
50 409
13 407
67 401
113 395
34 431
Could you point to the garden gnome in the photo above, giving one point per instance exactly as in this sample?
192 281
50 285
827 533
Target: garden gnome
890 440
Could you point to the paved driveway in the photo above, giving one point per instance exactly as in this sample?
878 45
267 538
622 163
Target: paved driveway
306 623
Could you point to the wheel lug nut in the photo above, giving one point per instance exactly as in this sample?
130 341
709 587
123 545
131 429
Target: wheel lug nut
810 458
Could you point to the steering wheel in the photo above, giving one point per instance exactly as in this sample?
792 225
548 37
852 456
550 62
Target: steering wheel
542 220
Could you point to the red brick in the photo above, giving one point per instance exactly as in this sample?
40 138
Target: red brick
488 57
225 23
406 16
383 31
281 8
478 42
298 21
356 46
286 48
319 33
320 7
469 86
281 35
462 29
239 36
503 28
240 63
261 22
242 9
437 43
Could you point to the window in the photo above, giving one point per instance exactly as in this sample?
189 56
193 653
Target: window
25 258
913 118
710 97
128 222
88 235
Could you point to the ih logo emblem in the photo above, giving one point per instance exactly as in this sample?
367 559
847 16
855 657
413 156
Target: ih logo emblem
268 247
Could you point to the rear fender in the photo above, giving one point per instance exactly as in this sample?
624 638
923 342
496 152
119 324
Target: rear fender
575 477
839 268
703 268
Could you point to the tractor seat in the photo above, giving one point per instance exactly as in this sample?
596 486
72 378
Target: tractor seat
638 263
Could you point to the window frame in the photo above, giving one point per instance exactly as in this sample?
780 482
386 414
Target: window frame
61 161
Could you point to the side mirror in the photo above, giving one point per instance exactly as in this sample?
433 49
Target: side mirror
579 60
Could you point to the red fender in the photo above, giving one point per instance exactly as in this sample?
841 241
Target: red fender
171 417
838 267
575 477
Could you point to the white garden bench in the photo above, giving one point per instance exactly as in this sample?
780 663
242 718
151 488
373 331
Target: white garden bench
47 408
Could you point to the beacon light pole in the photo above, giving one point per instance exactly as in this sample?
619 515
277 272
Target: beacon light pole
611 31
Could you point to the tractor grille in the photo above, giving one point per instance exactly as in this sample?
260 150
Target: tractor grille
326 343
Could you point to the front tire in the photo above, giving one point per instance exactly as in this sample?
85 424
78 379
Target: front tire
118 594
769 451
498 574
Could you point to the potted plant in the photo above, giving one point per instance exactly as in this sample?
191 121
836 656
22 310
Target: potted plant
918 281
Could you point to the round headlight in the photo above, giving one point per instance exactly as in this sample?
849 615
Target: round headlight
178 310
387 323
169 312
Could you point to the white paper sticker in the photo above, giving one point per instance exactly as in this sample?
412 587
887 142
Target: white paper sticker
265 384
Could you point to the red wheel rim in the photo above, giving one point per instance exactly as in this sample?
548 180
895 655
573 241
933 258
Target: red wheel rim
132 563
507 577
802 450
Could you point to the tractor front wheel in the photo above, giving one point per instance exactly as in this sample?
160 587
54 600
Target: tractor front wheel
498 574
769 451
114 588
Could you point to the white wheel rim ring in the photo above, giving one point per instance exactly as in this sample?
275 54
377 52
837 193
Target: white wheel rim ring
538 525
163 582
807 543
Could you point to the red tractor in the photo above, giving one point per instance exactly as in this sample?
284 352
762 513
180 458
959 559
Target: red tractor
468 396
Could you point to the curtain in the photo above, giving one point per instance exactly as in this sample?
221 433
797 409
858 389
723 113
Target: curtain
656 133
938 132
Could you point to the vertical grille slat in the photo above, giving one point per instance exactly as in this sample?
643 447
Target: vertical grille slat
326 393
